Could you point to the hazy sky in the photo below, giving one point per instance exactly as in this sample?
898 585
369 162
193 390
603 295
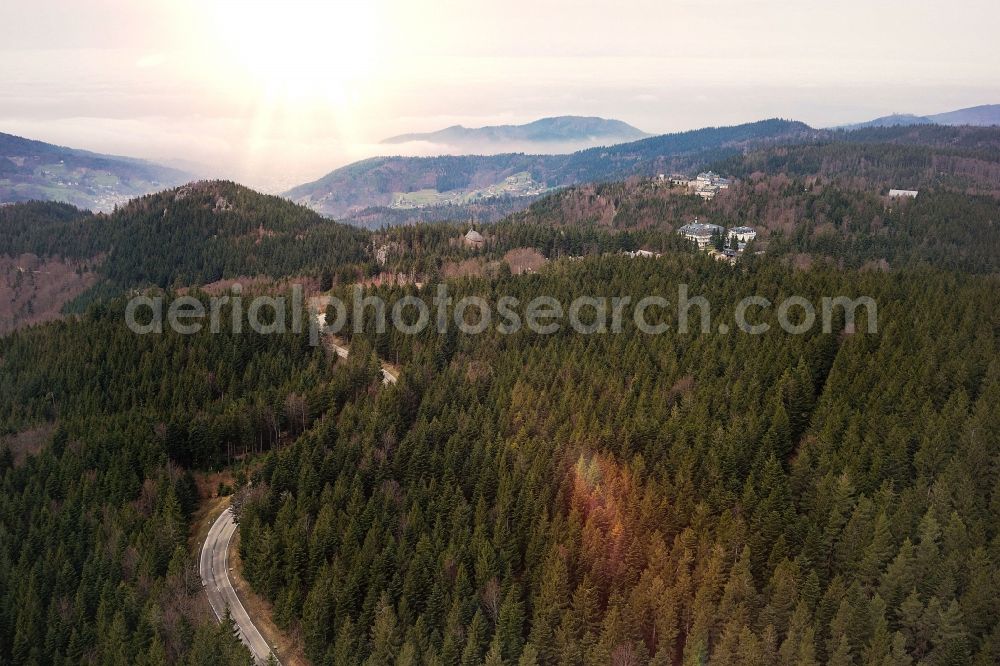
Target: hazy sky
275 93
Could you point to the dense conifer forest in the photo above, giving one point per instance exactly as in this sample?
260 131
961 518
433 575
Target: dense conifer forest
94 557
620 498
629 499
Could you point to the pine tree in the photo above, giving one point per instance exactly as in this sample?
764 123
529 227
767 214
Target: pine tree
316 619
529 657
345 644
384 634
475 641
510 626
950 639
841 655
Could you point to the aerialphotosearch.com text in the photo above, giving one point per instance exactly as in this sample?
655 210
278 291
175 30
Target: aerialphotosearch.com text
653 314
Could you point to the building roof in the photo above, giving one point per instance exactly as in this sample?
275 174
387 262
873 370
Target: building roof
699 229
474 236
742 230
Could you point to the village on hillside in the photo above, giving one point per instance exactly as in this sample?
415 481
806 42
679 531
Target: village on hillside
517 185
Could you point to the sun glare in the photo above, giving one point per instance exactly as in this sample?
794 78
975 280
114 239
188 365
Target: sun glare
300 50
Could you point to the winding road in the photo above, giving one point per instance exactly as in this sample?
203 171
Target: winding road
214 566
214 569
387 376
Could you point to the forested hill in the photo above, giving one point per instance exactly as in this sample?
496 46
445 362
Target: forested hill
959 159
826 200
373 182
982 140
799 220
208 231
37 170
192 235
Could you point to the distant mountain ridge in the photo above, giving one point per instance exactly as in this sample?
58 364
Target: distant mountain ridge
557 129
375 181
35 170
980 116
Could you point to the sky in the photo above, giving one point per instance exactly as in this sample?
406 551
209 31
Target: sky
277 93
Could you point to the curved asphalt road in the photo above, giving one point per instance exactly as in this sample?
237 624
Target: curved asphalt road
214 567
219 588
342 352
